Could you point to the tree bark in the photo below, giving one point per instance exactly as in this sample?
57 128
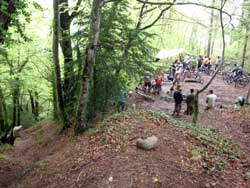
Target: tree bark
5 18
65 43
32 103
209 45
245 47
3 113
36 105
58 83
88 66
248 96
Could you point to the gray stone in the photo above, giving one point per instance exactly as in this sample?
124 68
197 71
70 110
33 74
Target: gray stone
247 175
148 143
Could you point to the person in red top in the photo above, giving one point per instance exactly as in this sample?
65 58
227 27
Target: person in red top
158 83
175 62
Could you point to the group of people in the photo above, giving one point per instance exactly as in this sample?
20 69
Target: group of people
191 63
179 98
190 101
149 82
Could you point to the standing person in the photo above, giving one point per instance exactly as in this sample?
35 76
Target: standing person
178 98
217 62
121 100
211 100
190 102
200 60
173 69
147 81
205 61
183 63
158 83
209 63
177 75
194 64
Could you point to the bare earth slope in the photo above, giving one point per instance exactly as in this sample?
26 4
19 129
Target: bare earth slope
108 157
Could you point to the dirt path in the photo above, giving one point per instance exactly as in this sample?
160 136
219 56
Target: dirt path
226 95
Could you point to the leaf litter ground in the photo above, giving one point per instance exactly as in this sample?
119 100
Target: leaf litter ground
107 156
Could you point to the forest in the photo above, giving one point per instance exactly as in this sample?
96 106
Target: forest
97 93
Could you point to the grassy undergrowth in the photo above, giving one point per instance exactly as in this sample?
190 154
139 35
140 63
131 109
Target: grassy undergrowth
220 149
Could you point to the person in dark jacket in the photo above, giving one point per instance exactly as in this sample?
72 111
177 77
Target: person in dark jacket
178 98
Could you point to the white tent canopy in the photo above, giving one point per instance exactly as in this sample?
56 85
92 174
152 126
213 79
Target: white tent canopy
164 54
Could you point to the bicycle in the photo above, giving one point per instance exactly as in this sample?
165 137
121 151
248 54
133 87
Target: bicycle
238 81
196 75
206 70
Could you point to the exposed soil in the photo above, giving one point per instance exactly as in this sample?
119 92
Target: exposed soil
108 157
226 95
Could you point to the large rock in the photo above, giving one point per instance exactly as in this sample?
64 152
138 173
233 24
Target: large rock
148 143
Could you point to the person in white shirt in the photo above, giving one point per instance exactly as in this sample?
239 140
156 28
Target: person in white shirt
218 62
211 100
240 101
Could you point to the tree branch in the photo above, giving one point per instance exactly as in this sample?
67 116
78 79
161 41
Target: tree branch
174 3
159 16
76 10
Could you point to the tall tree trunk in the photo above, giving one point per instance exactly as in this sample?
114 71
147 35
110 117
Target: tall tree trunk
36 105
18 108
32 102
4 124
14 115
245 46
58 83
209 45
88 66
65 43
248 96
2 112
5 18
55 105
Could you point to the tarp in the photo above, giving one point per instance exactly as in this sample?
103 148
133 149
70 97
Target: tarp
164 54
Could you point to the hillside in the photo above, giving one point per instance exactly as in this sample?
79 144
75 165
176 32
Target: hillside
108 157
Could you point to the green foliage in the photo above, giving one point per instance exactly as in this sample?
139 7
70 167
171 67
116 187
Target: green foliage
6 147
124 55
13 14
3 156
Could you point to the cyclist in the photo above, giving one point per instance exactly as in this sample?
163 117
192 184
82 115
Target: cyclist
237 72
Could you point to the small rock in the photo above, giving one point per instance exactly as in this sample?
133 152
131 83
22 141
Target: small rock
110 179
214 184
148 143
247 175
207 185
